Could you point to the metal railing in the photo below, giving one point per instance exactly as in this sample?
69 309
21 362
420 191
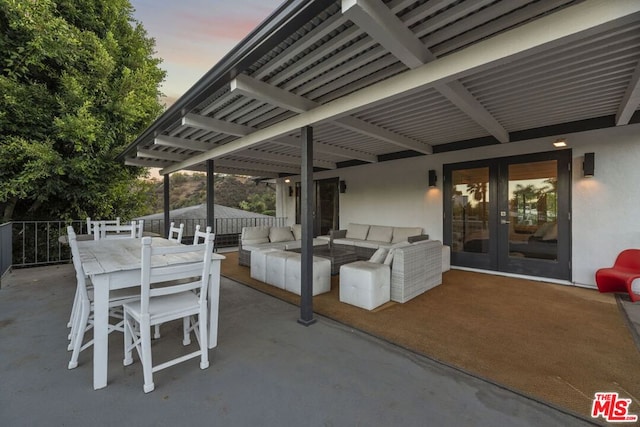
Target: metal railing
34 243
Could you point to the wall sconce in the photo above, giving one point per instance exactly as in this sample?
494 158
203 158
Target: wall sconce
290 191
343 186
287 180
433 178
589 165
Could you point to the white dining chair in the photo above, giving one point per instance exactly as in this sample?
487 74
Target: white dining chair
127 231
139 228
166 303
93 224
83 318
198 235
175 233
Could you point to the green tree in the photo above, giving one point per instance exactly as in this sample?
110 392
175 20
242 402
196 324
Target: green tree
78 82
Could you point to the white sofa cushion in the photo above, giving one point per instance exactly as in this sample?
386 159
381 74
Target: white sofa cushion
297 231
401 234
380 233
389 258
280 234
255 235
357 231
378 256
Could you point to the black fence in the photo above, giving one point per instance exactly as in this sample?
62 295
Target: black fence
33 243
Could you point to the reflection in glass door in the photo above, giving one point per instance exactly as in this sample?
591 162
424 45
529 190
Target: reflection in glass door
511 214
325 208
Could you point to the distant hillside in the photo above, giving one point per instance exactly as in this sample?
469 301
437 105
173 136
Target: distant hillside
234 192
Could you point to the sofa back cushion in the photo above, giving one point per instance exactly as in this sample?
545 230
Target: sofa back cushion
379 255
400 234
280 234
297 231
255 235
380 233
357 231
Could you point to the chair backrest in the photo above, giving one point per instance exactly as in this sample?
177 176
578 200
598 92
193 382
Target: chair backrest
140 228
197 235
175 233
195 265
77 265
629 258
92 226
108 231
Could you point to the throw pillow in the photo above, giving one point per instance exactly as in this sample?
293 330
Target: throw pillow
380 233
378 256
280 234
357 231
297 231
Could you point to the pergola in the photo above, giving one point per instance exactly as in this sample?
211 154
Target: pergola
326 84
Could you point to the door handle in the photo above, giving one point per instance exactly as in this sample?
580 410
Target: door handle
504 221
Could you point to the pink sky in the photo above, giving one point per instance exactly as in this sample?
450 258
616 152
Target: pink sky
193 35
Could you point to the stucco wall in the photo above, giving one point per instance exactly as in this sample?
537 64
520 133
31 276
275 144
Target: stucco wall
605 208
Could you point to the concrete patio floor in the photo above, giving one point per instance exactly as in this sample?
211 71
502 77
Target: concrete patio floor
267 370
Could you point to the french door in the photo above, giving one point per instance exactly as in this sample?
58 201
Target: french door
326 205
511 214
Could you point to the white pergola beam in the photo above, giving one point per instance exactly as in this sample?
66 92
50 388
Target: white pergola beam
584 19
250 87
256 89
383 26
375 18
283 158
257 166
161 155
365 128
333 150
175 142
215 125
630 100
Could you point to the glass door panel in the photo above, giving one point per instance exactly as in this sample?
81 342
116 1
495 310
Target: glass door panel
470 210
533 210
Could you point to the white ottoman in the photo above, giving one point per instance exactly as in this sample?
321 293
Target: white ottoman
365 284
321 281
276 262
259 263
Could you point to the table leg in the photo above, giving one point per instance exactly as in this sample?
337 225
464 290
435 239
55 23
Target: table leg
214 302
100 331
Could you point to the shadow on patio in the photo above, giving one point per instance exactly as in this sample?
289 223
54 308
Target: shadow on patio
267 370
556 343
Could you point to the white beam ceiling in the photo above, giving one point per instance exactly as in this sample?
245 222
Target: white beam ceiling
375 18
252 88
630 101
214 125
584 19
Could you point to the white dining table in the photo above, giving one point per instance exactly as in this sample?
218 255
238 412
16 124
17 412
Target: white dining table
115 264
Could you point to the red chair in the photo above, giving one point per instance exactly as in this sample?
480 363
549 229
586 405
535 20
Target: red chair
619 277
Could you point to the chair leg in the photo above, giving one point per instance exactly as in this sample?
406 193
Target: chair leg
147 360
74 308
204 343
80 327
128 340
186 328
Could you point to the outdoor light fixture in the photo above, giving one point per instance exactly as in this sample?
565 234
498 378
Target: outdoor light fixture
589 165
290 191
433 178
559 143
343 186
287 180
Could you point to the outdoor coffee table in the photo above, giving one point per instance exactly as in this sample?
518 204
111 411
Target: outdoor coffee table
338 255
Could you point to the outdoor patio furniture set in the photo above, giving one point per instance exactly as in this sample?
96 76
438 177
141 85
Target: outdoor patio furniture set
374 266
117 276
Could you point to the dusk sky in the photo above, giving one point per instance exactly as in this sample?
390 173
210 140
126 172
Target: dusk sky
193 35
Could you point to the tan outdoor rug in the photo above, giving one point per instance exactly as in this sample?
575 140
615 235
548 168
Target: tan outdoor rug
560 344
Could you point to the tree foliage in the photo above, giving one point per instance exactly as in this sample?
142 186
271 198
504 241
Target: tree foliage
78 82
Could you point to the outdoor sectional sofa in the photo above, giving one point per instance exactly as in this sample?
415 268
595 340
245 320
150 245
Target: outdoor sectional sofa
284 238
366 239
